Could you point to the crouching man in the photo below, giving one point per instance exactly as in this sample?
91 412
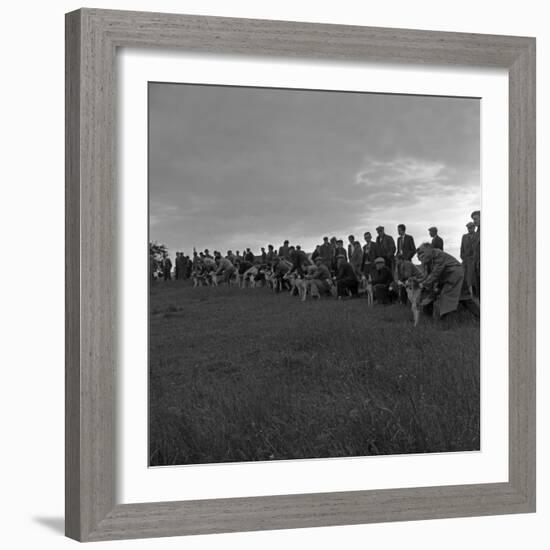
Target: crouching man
318 280
225 269
444 272
382 278
346 280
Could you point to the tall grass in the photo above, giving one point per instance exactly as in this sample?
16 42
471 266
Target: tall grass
246 375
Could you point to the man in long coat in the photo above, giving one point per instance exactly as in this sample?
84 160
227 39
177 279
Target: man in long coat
476 218
445 272
467 254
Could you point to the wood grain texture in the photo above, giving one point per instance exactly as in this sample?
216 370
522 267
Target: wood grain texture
92 37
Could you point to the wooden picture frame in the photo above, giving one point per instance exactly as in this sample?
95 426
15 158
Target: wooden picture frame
92 38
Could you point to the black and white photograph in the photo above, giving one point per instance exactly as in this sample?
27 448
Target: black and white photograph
314 274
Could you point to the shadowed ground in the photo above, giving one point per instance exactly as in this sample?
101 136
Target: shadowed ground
246 375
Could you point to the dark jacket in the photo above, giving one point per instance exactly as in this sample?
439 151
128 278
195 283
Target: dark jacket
382 276
385 247
283 252
249 257
345 272
406 247
299 259
341 251
437 242
369 252
326 252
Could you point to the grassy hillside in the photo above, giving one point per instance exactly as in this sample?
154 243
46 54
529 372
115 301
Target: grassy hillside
246 375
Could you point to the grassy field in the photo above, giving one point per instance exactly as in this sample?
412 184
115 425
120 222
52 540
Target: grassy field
246 375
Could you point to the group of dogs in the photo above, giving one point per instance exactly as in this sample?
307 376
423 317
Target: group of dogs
408 291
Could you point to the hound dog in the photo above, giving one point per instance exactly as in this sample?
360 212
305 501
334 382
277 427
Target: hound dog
414 290
250 276
365 287
298 285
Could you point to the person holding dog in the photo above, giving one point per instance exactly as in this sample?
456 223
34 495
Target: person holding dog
225 268
318 281
346 280
382 278
444 271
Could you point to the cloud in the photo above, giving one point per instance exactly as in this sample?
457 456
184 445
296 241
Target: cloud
250 166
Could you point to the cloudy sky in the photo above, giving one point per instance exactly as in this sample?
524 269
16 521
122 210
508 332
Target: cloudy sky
233 167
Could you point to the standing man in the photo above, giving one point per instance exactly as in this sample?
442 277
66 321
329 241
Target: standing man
356 258
368 254
406 249
476 218
270 255
230 256
385 247
264 255
167 268
186 267
326 252
299 260
437 241
177 270
351 246
284 251
340 251
467 255
249 256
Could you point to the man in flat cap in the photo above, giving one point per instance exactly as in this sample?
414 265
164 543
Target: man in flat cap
382 278
318 280
437 241
444 272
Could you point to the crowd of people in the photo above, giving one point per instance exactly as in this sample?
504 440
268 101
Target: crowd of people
382 263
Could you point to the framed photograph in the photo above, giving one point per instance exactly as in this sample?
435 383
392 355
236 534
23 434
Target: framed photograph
274 269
